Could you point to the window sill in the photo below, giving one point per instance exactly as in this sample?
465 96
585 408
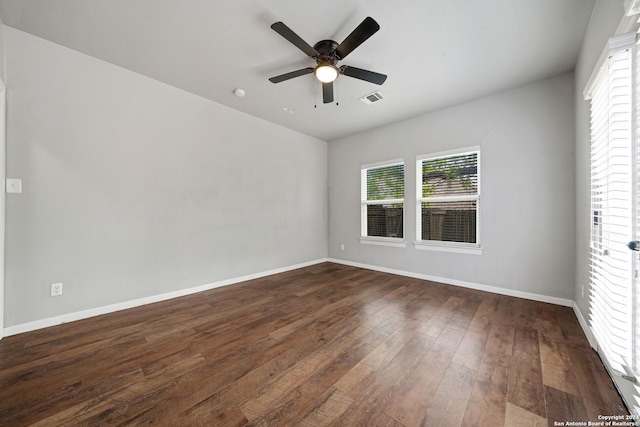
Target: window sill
449 247
384 241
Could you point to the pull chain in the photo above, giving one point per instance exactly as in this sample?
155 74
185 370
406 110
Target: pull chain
315 93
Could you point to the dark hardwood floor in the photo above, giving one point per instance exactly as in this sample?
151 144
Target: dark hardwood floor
323 345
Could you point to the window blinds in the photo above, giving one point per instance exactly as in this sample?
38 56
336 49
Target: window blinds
635 232
611 210
383 201
448 198
450 176
385 182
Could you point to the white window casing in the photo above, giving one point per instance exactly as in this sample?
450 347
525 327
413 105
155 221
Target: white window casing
382 203
448 201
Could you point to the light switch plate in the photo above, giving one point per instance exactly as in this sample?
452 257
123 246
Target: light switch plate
14 185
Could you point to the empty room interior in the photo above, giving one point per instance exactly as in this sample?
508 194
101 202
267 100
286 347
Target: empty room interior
352 213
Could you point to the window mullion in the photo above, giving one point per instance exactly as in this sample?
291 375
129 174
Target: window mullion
449 198
384 202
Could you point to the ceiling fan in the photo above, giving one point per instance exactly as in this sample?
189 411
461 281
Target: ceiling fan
327 53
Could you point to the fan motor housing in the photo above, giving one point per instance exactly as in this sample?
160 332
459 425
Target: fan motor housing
326 49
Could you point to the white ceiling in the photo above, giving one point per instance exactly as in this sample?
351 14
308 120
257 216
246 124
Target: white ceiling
437 53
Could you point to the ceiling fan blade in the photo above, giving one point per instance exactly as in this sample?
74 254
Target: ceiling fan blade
327 92
366 29
366 75
291 75
294 39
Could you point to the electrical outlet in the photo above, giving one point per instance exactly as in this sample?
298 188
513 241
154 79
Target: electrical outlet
56 289
13 185
342 247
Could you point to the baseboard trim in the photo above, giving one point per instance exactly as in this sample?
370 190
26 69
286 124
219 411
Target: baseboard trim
470 285
585 327
84 314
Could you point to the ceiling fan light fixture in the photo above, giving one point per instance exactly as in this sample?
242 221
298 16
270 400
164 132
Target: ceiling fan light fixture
326 73
327 53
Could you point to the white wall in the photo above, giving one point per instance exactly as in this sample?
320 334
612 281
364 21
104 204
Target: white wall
3 116
526 137
605 18
2 53
132 188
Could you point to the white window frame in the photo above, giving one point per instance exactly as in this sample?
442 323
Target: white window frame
437 245
375 240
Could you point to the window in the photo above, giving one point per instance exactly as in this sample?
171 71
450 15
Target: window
448 199
611 208
611 277
383 203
